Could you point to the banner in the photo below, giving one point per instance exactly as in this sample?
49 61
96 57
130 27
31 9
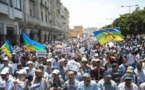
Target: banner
41 53
66 50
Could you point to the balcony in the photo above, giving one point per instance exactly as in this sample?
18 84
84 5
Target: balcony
32 1
32 19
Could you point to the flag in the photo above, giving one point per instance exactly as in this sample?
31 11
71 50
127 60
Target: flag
7 48
103 36
116 33
31 44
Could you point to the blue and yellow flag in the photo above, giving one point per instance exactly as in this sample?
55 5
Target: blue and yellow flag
7 48
31 44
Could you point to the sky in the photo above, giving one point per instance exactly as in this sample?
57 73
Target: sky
97 13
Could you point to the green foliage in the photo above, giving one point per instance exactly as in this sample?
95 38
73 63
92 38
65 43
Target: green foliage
133 23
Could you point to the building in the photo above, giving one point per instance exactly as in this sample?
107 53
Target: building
10 15
41 20
77 31
88 32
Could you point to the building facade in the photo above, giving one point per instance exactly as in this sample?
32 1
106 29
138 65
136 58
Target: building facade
41 20
10 15
77 31
88 32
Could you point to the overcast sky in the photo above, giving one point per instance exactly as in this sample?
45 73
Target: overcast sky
94 13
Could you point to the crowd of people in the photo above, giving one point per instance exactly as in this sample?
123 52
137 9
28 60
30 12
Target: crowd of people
117 65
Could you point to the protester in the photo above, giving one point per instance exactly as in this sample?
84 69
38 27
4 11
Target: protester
127 85
87 83
106 83
71 83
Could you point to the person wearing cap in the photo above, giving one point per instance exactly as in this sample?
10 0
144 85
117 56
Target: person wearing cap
135 78
87 83
21 80
97 72
71 83
9 85
48 68
55 81
7 64
55 62
140 72
39 79
106 83
127 84
84 68
35 61
93 64
31 69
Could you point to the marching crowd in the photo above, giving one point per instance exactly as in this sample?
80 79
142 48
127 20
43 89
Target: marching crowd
120 66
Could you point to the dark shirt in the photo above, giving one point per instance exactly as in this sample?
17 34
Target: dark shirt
116 76
94 73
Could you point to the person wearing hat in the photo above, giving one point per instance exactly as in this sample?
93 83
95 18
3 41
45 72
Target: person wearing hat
106 83
55 62
127 84
55 81
48 68
135 78
84 68
35 61
21 80
97 72
140 72
7 64
31 68
9 85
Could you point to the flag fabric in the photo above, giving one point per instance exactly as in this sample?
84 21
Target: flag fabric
105 35
116 33
31 44
7 48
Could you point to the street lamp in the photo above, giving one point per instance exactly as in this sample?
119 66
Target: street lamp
129 6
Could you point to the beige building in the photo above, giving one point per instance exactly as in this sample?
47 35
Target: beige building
42 20
77 31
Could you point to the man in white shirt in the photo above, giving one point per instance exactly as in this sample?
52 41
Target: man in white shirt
9 85
140 72
130 58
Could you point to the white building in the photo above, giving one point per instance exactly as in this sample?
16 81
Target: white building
42 20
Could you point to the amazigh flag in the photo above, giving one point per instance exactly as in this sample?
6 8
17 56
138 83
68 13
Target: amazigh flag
31 44
105 35
7 48
116 33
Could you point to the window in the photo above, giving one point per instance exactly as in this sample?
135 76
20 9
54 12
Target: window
42 16
46 17
4 1
11 3
30 12
41 1
17 4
